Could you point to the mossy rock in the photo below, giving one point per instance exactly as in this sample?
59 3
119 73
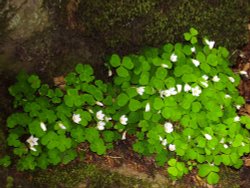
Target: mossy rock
129 24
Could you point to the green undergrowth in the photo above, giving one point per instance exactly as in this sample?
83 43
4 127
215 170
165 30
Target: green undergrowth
180 103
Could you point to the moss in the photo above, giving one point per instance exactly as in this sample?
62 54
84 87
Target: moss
130 24
83 175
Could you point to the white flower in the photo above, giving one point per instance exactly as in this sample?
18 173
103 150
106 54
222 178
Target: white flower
216 79
172 91
187 87
244 73
107 119
100 115
101 125
90 111
173 57
110 73
208 136
179 88
99 103
165 93
196 91
43 126
123 120
140 90
76 118
237 119
222 140
32 141
238 107
227 96
205 77
147 108
231 79
189 137
210 43
168 127
225 146
171 147
33 148
164 65
195 62
124 134
242 144
205 84
61 126
164 142
193 49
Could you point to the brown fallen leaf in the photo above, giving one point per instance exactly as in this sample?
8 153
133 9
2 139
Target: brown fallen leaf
59 82
247 162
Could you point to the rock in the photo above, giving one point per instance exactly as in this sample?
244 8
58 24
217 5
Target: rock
27 17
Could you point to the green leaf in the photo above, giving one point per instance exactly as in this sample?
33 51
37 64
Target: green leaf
212 59
144 78
79 68
122 99
187 36
34 81
158 103
213 178
122 72
115 60
196 106
127 63
204 170
193 31
5 161
161 73
134 105
173 171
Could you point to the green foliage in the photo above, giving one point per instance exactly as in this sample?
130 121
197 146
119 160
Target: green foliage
179 103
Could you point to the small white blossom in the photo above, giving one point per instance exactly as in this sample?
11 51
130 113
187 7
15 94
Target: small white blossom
124 134
168 127
107 119
172 91
164 142
210 43
99 103
238 107
76 118
110 73
100 115
147 108
171 147
227 96
43 126
196 91
61 126
160 138
101 125
216 78
123 120
140 90
195 62
222 140
33 148
208 136
242 144
205 77
164 65
205 84
173 57
231 79
165 93
193 49
187 87
90 111
244 73
189 137
32 141
179 88
237 119
225 146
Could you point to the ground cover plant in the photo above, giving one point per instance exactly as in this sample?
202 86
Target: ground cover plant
179 102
